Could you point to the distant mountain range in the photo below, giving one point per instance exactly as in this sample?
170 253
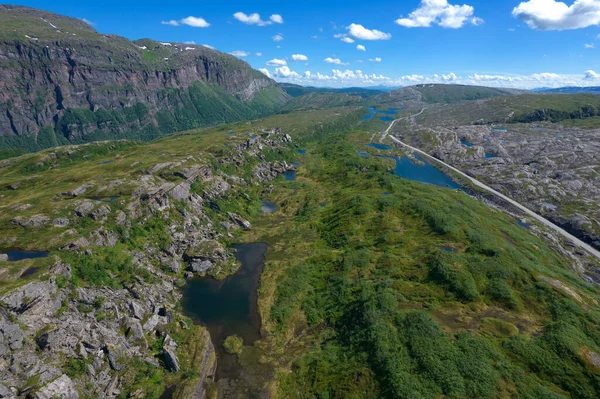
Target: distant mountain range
570 90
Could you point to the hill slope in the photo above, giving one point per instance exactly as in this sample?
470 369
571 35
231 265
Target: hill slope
63 82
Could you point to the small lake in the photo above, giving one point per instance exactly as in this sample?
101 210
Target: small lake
386 118
15 255
379 146
106 162
370 115
230 306
268 207
290 175
466 143
389 111
104 199
426 173
301 152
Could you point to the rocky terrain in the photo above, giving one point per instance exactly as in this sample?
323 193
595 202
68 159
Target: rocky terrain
62 82
99 316
550 168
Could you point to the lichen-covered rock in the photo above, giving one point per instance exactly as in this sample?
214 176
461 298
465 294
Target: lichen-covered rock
170 355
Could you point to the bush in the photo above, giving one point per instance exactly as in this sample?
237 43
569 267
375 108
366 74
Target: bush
233 345
446 268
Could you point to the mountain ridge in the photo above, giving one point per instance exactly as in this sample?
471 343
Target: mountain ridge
63 82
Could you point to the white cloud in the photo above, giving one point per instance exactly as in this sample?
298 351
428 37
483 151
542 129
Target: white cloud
189 42
254 19
358 78
265 71
299 57
376 59
362 33
240 53
360 47
556 15
87 21
276 62
278 37
195 22
208 46
589 45
285 72
336 61
442 13
276 18
344 37
259 54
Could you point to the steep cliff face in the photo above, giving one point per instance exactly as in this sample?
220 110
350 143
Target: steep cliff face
61 81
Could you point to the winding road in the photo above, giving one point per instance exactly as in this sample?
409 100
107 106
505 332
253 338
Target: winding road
588 248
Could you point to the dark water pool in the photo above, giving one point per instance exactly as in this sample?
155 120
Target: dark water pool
268 207
106 162
380 146
290 175
302 152
104 199
466 143
229 307
370 115
15 255
29 272
426 173
386 118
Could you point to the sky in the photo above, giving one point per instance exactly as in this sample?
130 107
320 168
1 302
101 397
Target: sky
333 43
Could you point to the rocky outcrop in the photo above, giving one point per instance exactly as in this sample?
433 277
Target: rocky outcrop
58 72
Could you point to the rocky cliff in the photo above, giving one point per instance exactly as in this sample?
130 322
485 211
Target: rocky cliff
63 82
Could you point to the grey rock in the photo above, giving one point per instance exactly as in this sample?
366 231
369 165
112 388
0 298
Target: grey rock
61 222
3 258
33 222
170 355
76 192
62 388
137 310
121 217
181 191
10 334
100 213
201 266
112 360
84 209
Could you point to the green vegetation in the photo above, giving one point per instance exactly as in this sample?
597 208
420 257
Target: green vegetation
233 345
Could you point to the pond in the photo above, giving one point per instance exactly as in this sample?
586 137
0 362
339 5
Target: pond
389 111
229 307
379 146
15 255
106 162
370 115
425 173
301 152
268 207
466 143
104 199
290 175
386 118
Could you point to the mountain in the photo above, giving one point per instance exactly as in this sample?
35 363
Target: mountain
297 90
571 90
62 82
440 93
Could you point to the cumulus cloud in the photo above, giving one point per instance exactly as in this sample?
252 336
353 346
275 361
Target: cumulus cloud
259 54
276 62
589 45
278 37
299 57
360 47
556 15
195 22
442 13
240 53
254 19
358 78
360 32
265 71
344 37
376 59
336 61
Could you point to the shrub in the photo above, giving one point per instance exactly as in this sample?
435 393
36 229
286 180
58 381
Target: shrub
233 345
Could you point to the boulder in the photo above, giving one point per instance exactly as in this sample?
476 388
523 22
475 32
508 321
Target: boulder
170 355
84 209
100 213
62 388
3 258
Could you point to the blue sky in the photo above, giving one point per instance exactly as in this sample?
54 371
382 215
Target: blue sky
489 42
